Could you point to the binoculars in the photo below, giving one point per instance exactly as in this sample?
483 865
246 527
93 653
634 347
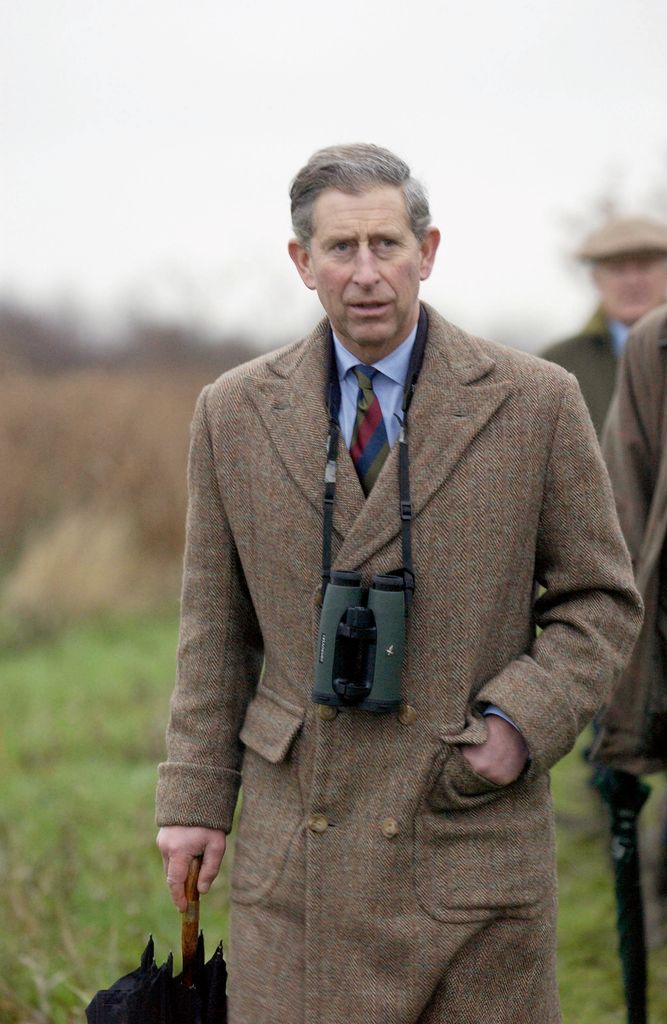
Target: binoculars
361 643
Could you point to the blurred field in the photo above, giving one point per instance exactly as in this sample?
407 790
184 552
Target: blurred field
94 435
82 877
93 492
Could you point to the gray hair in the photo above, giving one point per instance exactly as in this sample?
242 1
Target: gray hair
353 169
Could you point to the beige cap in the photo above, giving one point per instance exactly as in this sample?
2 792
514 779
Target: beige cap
624 236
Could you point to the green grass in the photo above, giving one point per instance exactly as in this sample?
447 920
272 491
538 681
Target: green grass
80 736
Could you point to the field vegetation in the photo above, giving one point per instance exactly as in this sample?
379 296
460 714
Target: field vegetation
93 445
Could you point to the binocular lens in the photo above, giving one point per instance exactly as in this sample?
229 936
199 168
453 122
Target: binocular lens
391 583
345 578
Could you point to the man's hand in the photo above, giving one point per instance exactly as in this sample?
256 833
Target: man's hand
178 846
503 755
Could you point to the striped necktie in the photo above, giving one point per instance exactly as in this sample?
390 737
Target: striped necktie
370 446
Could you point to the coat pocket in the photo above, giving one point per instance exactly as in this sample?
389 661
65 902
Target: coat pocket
480 847
270 725
458 786
271 812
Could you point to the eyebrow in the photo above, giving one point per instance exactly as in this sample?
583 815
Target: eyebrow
343 236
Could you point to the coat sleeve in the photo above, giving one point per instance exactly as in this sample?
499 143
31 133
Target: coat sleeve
219 657
588 613
632 436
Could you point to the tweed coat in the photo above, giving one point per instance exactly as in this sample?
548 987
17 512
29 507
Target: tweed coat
590 356
634 445
365 841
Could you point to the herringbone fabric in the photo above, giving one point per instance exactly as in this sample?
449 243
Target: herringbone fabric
635 446
369 448
337 917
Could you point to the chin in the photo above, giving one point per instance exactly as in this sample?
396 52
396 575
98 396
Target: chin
631 316
370 335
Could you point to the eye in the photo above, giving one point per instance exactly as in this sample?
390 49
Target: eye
385 245
341 247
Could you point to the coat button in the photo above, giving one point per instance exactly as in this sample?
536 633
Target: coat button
318 823
326 712
407 715
390 828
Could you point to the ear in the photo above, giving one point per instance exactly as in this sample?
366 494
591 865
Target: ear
428 248
301 259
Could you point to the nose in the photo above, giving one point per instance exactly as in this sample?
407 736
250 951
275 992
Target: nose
365 268
633 272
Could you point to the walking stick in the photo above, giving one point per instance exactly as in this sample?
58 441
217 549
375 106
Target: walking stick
625 795
190 924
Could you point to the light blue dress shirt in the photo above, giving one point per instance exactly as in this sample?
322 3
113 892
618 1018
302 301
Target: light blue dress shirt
388 385
619 335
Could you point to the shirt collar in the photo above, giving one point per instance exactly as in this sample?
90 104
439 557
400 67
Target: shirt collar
395 365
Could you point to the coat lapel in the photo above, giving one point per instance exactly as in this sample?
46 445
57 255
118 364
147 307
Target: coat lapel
293 410
452 403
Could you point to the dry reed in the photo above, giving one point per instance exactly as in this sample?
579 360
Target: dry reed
92 465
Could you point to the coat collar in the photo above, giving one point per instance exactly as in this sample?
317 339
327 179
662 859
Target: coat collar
597 326
455 397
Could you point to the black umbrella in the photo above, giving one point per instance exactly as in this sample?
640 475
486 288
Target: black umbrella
151 994
625 795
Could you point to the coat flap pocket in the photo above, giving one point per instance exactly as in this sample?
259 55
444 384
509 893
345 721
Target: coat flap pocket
463 777
270 726
459 787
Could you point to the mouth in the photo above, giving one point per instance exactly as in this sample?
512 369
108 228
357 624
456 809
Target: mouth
369 308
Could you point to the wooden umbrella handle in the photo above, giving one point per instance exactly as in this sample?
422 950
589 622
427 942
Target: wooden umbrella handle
190 923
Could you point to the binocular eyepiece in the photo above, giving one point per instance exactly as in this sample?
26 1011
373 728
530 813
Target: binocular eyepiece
361 643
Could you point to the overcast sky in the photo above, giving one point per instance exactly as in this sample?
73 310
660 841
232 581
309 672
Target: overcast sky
147 147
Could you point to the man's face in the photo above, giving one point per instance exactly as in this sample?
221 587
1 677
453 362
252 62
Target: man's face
366 264
631 286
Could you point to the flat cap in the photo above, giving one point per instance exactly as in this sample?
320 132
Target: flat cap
624 236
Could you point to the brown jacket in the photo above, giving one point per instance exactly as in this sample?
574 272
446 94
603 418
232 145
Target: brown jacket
370 832
634 735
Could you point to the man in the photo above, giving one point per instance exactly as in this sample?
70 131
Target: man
628 260
389 868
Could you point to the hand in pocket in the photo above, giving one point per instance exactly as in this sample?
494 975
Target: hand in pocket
503 755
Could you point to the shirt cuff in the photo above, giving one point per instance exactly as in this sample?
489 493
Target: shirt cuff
491 709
